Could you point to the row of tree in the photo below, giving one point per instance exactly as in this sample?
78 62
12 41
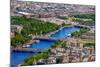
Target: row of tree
34 26
63 17
19 39
35 58
87 22
86 16
80 32
90 19
59 43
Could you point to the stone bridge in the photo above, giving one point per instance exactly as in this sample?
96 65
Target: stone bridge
83 26
31 50
51 38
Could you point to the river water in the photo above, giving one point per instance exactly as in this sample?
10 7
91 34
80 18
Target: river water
18 57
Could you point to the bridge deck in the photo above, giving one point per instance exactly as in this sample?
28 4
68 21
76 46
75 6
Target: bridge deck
50 38
84 26
31 50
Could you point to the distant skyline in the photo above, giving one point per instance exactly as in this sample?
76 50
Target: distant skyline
84 2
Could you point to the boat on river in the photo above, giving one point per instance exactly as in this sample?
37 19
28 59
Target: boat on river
37 41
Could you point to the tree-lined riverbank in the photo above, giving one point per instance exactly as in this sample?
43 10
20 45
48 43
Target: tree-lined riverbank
30 26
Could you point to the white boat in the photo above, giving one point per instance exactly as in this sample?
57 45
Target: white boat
37 41
69 34
27 45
